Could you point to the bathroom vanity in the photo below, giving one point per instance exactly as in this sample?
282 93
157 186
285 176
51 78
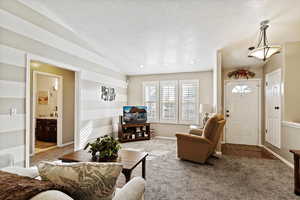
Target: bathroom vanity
46 129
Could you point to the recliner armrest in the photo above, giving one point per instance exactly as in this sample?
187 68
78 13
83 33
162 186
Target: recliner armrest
195 138
196 131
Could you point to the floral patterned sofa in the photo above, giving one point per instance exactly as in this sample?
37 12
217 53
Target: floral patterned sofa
133 190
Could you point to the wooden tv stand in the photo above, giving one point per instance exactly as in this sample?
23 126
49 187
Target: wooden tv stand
133 132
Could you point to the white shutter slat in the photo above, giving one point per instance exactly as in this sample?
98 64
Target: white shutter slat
189 100
168 101
151 100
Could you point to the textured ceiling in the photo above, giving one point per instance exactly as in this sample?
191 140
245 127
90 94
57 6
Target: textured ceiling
175 35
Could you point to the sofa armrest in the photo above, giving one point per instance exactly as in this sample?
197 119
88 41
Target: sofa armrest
199 139
31 172
133 190
51 195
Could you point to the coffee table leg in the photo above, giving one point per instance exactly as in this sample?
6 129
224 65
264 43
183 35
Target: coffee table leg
144 168
127 175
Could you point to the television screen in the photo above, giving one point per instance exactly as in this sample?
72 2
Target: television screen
134 114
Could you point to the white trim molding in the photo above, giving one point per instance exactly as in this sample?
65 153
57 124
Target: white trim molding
290 124
66 144
288 163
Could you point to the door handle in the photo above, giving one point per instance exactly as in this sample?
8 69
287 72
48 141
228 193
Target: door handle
276 107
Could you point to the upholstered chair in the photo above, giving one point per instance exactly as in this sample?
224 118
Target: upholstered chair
199 146
196 131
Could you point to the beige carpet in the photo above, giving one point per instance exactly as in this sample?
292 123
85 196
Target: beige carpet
231 177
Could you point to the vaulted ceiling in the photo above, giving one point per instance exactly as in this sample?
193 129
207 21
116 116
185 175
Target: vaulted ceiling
163 36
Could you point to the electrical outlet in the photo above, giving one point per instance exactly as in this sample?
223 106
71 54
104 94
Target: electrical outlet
13 112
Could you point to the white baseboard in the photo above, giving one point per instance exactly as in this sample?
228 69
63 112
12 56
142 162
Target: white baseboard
288 163
66 144
166 138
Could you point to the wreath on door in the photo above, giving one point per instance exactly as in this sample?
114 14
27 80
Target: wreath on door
241 73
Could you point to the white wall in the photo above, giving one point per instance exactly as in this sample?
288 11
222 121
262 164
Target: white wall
12 95
217 83
19 37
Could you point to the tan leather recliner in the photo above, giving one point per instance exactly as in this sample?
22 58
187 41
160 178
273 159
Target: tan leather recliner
197 147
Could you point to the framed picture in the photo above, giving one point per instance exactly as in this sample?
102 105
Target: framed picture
43 97
108 94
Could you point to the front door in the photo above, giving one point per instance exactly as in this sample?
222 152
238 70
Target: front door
242 106
273 108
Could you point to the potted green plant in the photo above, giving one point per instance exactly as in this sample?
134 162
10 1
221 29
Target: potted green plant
104 149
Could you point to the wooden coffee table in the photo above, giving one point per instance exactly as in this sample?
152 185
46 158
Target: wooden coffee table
129 160
296 171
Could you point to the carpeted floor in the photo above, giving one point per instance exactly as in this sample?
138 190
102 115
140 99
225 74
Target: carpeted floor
231 177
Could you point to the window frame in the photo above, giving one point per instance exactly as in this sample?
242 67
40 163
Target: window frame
181 83
175 82
156 84
178 101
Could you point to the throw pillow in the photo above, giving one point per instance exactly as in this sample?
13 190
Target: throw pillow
83 181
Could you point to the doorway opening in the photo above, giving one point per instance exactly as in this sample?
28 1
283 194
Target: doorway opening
47 96
52 120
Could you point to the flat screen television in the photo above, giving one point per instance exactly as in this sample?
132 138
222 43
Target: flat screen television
135 114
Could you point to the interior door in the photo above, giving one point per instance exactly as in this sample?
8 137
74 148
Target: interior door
273 108
242 112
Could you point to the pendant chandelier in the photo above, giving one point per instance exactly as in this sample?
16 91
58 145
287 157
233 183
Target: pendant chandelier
263 50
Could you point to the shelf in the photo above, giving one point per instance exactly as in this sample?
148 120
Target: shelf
135 139
135 125
125 131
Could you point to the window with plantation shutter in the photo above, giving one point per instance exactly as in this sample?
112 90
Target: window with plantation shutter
151 100
172 101
188 101
168 101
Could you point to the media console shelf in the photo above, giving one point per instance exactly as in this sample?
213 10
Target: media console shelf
133 132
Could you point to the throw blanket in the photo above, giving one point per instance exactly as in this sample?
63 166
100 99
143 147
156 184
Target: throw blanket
15 187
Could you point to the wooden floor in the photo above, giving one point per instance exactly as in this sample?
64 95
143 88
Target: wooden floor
51 155
41 146
246 151
44 145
